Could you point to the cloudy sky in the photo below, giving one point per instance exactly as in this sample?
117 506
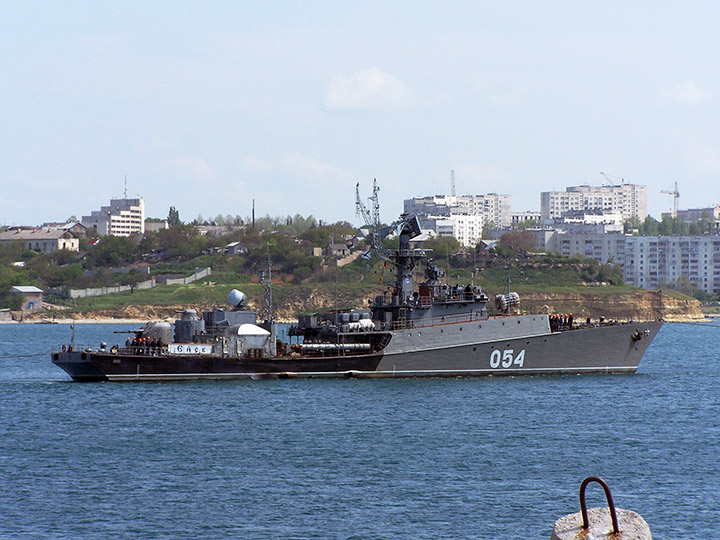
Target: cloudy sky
206 106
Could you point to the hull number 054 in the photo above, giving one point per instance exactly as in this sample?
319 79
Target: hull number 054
506 358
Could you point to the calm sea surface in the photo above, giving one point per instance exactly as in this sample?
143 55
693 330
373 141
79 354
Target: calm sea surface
491 458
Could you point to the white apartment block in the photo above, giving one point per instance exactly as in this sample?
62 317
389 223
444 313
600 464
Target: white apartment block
493 207
518 217
628 200
122 218
648 261
651 261
603 248
465 228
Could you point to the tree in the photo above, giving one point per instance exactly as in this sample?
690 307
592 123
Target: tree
632 224
487 227
519 242
132 278
173 218
650 226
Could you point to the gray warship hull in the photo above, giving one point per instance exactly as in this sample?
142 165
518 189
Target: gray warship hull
438 330
503 346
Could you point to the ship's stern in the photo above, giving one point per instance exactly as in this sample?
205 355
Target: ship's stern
79 365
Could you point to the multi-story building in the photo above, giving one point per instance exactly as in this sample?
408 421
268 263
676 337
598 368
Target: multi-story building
628 200
122 218
466 228
647 261
42 240
652 261
694 215
519 217
492 207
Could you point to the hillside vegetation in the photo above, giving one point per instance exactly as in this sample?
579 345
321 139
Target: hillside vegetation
302 281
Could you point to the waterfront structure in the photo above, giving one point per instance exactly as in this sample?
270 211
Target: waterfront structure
122 217
628 200
41 240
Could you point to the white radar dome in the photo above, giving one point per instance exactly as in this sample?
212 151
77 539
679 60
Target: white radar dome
236 298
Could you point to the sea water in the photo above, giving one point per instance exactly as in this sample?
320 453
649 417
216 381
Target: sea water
491 458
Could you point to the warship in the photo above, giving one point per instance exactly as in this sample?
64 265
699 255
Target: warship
432 330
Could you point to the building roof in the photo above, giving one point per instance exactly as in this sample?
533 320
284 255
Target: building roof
35 234
25 289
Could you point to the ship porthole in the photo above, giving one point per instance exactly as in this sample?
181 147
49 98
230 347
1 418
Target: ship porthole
474 349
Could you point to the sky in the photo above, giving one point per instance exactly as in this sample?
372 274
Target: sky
207 106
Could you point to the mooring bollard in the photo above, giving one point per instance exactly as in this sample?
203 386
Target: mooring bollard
600 523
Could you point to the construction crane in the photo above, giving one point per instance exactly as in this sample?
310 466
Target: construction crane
676 195
372 220
610 182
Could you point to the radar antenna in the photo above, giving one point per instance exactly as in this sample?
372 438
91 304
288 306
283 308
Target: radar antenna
372 221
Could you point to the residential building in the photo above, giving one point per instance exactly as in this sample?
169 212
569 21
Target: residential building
75 227
156 225
650 262
42 240
467 229
694 215
122 217
32 296
490 208
628 200
519 217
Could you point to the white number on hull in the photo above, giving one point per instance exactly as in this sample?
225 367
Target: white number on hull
506 359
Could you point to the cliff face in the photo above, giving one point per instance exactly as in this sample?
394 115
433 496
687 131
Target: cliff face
638 305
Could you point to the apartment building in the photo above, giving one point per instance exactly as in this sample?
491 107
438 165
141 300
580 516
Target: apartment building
628 200
122 217
465 214
466 229
651 261
647 261
519 217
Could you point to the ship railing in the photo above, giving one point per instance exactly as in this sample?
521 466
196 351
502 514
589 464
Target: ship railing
146 350
436 321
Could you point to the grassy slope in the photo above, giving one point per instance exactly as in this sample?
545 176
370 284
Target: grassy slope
352 286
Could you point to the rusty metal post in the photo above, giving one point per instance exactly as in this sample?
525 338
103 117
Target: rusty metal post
596 522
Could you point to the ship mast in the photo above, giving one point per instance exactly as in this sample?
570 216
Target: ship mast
267 286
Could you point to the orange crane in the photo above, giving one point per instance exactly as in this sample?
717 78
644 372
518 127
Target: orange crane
676 195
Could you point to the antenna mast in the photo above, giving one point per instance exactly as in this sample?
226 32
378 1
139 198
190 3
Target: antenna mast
452 184
267 285
125 192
